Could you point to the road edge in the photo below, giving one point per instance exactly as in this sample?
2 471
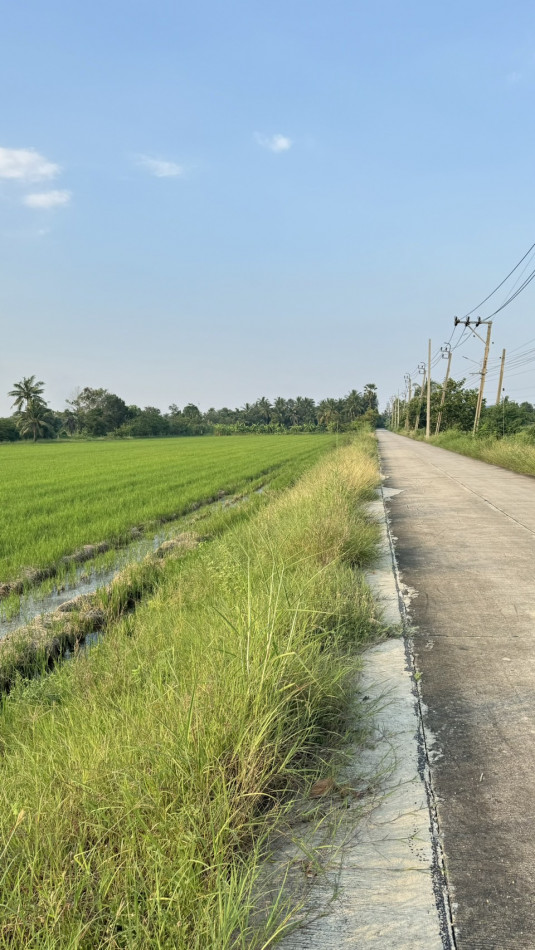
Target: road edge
441 891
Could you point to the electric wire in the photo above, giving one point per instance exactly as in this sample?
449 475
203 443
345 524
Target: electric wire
521 261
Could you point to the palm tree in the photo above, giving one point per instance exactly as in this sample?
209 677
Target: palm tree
329 413
26 391
34 418
279 413
370 396
354 404
264 409
306 410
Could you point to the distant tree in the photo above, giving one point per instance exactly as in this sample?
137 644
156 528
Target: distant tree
458 410
505 419
192 413
329 413
148 422
279 412
99 412
370 396
32 417
263 407
35 419
305 409
9 431
28 390
355 404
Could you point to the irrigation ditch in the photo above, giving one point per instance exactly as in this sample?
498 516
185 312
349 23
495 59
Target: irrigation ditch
57 624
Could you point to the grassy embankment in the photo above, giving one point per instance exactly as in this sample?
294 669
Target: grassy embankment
57 498
138 782
514 452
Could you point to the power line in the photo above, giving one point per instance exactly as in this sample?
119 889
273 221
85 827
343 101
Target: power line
514 296
470 312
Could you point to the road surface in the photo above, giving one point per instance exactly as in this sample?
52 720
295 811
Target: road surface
465 542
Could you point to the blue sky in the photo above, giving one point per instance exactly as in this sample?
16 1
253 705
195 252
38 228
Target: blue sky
215 201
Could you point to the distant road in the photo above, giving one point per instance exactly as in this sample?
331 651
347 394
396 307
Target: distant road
465 541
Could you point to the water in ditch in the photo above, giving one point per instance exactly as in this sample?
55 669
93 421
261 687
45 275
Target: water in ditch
87 578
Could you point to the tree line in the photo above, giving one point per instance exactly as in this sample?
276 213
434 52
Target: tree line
458 411
97 413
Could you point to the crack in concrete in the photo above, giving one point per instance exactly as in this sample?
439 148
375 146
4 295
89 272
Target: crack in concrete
441 891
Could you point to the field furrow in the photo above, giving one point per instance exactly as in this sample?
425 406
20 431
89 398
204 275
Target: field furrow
56 498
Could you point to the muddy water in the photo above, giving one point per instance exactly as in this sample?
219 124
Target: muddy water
87 578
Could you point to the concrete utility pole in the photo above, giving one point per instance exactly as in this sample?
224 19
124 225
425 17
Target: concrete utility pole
421 370
409 385
479 322
500 384
483 375
428 414
444 350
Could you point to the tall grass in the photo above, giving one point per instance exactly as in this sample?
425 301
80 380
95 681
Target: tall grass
515 452
56 498
138 783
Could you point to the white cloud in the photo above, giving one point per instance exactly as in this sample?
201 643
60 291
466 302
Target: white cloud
47 199
159 168
25 164
275 143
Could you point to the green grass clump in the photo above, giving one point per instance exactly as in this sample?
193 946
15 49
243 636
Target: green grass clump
138 782
516 452
55 498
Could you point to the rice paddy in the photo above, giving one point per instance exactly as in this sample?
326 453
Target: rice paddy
56 498
139 781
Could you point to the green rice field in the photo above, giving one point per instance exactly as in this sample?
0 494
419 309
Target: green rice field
55 498
143 782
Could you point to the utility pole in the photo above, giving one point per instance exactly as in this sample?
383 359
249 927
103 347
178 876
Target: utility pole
500 384
409 385
428 414
444 349
421 370
477 323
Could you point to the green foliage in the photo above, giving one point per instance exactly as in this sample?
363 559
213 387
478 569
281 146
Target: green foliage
458 412
97 413
506 419
29 389
8 431
32 416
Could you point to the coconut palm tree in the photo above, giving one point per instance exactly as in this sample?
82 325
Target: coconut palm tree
329 413
33 419
27 391
263 406
354 404
370 396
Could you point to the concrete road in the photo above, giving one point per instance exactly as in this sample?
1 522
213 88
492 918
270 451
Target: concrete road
465 542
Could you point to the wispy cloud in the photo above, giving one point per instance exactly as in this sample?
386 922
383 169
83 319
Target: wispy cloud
275 143
160 168
26 165
47 199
